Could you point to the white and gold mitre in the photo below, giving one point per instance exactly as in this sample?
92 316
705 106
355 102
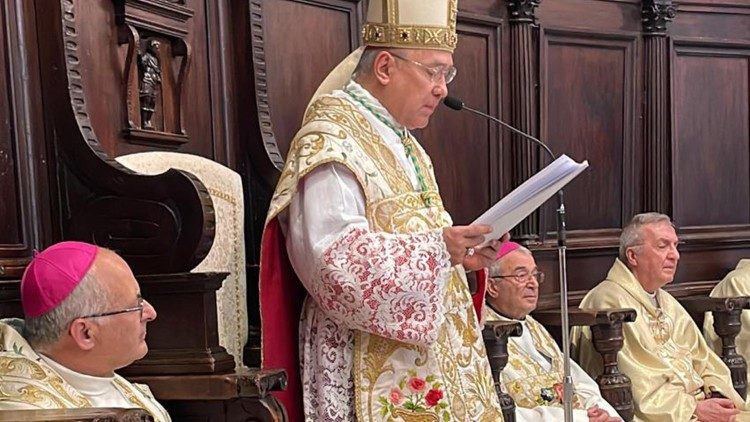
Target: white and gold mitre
415 24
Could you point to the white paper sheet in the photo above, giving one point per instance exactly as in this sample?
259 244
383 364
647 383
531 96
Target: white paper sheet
530 195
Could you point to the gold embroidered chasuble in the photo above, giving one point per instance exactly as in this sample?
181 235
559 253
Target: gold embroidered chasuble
26 381
664 354
537 389
734 284
433 372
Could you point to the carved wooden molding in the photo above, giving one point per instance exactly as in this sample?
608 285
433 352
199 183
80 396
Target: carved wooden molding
656 14
155 32
103 202
261 85
522 11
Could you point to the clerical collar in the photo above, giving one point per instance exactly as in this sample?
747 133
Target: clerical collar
652 298
87 385
503 315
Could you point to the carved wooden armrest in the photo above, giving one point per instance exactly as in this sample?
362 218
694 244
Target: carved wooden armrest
495 335
246 392
727 314
77 415
606 333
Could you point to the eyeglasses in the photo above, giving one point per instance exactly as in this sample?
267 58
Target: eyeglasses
523 277
436 72
141 303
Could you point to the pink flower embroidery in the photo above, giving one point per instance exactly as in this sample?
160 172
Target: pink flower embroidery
396 396
417 384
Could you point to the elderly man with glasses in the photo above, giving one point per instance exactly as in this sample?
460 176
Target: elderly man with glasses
84 319
533 376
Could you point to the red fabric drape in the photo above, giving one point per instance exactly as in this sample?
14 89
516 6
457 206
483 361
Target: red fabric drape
478 297
281 298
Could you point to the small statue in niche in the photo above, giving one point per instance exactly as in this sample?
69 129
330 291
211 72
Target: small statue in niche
150 73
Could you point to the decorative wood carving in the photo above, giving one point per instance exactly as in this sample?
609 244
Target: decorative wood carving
727 324
522 11
155 32
495 335
656 15
261 87
239 396
161 223
524 108
606 330
727 314
608 341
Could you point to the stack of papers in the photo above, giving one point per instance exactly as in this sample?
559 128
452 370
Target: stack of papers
530 195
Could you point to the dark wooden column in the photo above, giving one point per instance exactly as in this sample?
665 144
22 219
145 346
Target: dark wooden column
656 15
524 114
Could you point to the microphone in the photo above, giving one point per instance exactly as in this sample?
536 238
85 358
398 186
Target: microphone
458 105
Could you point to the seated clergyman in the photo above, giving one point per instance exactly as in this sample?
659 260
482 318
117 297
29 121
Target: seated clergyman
534 373
736 283
84 318
675 375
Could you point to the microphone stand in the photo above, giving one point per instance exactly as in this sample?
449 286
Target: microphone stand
561 256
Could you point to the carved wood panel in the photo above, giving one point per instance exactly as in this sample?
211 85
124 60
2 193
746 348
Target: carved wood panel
151 68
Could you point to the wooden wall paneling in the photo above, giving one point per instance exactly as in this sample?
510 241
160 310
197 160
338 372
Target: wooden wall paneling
710 252
25 219
466 149
225 110
711 132
309 38
596 15
588 106
715 19
656 15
